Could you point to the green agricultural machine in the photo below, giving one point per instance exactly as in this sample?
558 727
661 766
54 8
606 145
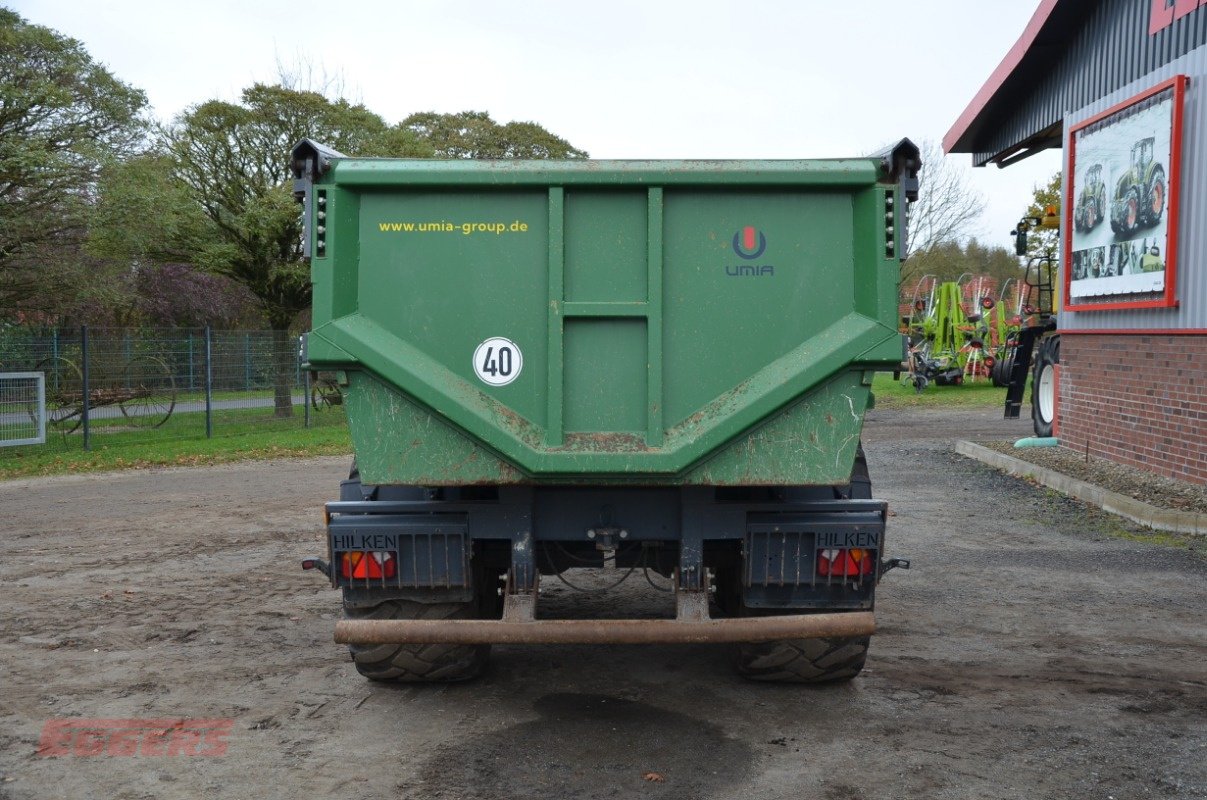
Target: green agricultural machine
1139 199
632 365
1091 200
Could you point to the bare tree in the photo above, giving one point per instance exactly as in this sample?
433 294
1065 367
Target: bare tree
946 209
304 75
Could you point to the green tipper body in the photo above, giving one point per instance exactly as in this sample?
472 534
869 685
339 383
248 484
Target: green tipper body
601 322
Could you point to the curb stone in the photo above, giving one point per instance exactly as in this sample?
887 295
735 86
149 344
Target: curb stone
1161 519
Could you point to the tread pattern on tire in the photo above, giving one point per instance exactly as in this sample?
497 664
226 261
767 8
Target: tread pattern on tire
811 660
804 660
417 662
1047 353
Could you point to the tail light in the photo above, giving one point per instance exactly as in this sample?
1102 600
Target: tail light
849 563
368 564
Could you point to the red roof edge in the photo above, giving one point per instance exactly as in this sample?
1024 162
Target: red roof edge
1008 65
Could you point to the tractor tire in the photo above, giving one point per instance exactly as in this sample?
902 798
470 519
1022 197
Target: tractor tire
1133 216
1155 197
803 660
1043 386
1001 370
418 663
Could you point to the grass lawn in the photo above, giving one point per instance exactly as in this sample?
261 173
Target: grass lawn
239 434
894 394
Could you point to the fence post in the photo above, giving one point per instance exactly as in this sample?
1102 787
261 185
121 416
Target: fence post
209 384
126 341
306 393
87 389
247 362
54 344
192 384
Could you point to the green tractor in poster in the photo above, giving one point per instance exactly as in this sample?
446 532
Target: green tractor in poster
1091 201
1140 192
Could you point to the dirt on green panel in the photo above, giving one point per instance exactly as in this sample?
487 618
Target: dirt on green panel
397 441
812 442
605 443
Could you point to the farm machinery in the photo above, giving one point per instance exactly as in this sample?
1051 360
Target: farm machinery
958 330
1139 199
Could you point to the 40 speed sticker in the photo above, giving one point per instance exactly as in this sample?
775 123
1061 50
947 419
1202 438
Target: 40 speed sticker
498 361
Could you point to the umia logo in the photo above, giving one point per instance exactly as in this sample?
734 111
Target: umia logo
749 243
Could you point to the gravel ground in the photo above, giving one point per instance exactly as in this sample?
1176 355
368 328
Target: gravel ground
1030 653
1147 487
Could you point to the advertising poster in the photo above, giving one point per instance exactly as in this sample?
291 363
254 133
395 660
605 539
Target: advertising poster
1120 196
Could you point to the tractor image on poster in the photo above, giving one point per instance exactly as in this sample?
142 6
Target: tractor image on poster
1091 202
1139 197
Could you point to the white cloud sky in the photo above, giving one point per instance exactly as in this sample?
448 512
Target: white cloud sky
625 79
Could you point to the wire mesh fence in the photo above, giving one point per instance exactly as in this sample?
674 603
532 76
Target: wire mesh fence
22 408
148 384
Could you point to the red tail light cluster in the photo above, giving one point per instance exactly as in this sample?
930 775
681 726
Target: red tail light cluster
845 563
368 564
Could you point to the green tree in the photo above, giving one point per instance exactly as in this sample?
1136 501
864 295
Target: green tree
947 261
142 214
473 134
62 117
1044 242
145 233
232 159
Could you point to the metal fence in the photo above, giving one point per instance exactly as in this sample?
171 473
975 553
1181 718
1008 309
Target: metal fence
22 408
147 384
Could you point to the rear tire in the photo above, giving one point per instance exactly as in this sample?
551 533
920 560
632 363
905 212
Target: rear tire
1131 218
806 660
1043 387
417 663
1002 369
1156 197
803 660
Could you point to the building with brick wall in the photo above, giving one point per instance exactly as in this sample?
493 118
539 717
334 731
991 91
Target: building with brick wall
1121 87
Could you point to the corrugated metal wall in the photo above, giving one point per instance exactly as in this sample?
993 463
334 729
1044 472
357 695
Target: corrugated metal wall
1110 50
1192 232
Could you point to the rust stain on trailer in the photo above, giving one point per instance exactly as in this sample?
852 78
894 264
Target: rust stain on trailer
606 631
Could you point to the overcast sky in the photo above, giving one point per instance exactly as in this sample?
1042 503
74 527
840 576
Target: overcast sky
621 79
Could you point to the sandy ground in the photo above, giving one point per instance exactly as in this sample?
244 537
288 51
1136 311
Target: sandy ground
1029 653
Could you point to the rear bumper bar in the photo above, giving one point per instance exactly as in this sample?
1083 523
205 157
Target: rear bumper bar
606 631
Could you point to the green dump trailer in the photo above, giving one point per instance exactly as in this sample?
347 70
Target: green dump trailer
634 365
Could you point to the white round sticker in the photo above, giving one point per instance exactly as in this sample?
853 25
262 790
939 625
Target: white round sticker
498 361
